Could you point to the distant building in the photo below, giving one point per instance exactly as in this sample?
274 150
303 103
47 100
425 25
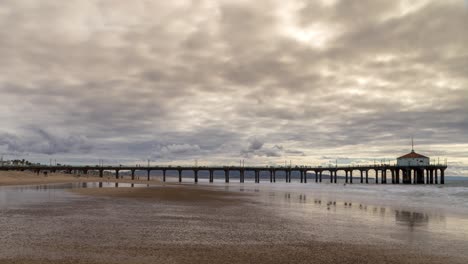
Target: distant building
413 159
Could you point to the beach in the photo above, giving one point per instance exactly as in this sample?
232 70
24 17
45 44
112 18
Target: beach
68 219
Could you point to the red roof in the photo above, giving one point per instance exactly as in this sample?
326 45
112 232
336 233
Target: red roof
412 155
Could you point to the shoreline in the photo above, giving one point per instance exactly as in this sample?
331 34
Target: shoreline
24 178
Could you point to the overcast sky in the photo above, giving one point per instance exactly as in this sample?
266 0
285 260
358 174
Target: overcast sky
219 81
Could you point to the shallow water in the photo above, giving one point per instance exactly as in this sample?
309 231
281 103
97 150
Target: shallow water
431 219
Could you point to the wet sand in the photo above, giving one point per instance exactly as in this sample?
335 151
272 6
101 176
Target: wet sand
10 178
168 193
180 224
292 253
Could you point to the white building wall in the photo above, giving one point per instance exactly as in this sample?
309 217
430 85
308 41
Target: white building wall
413 162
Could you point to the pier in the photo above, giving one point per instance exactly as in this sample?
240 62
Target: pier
383 174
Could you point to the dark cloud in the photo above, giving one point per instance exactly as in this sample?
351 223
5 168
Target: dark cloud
38 140
224 80
258 148
255 144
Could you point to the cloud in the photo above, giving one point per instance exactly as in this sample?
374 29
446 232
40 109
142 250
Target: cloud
255 144
174 150
43 142
258 148
185 79
183 148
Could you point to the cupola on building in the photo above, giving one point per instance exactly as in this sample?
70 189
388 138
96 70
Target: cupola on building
413 159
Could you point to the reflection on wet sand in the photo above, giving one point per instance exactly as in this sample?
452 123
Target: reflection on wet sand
411 219
408 218
61 186
302 198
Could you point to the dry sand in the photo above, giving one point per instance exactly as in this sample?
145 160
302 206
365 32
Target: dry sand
122 225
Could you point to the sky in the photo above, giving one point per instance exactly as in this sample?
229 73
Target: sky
216 82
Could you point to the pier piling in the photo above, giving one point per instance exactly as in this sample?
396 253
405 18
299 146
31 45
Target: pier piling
425 174
226 176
